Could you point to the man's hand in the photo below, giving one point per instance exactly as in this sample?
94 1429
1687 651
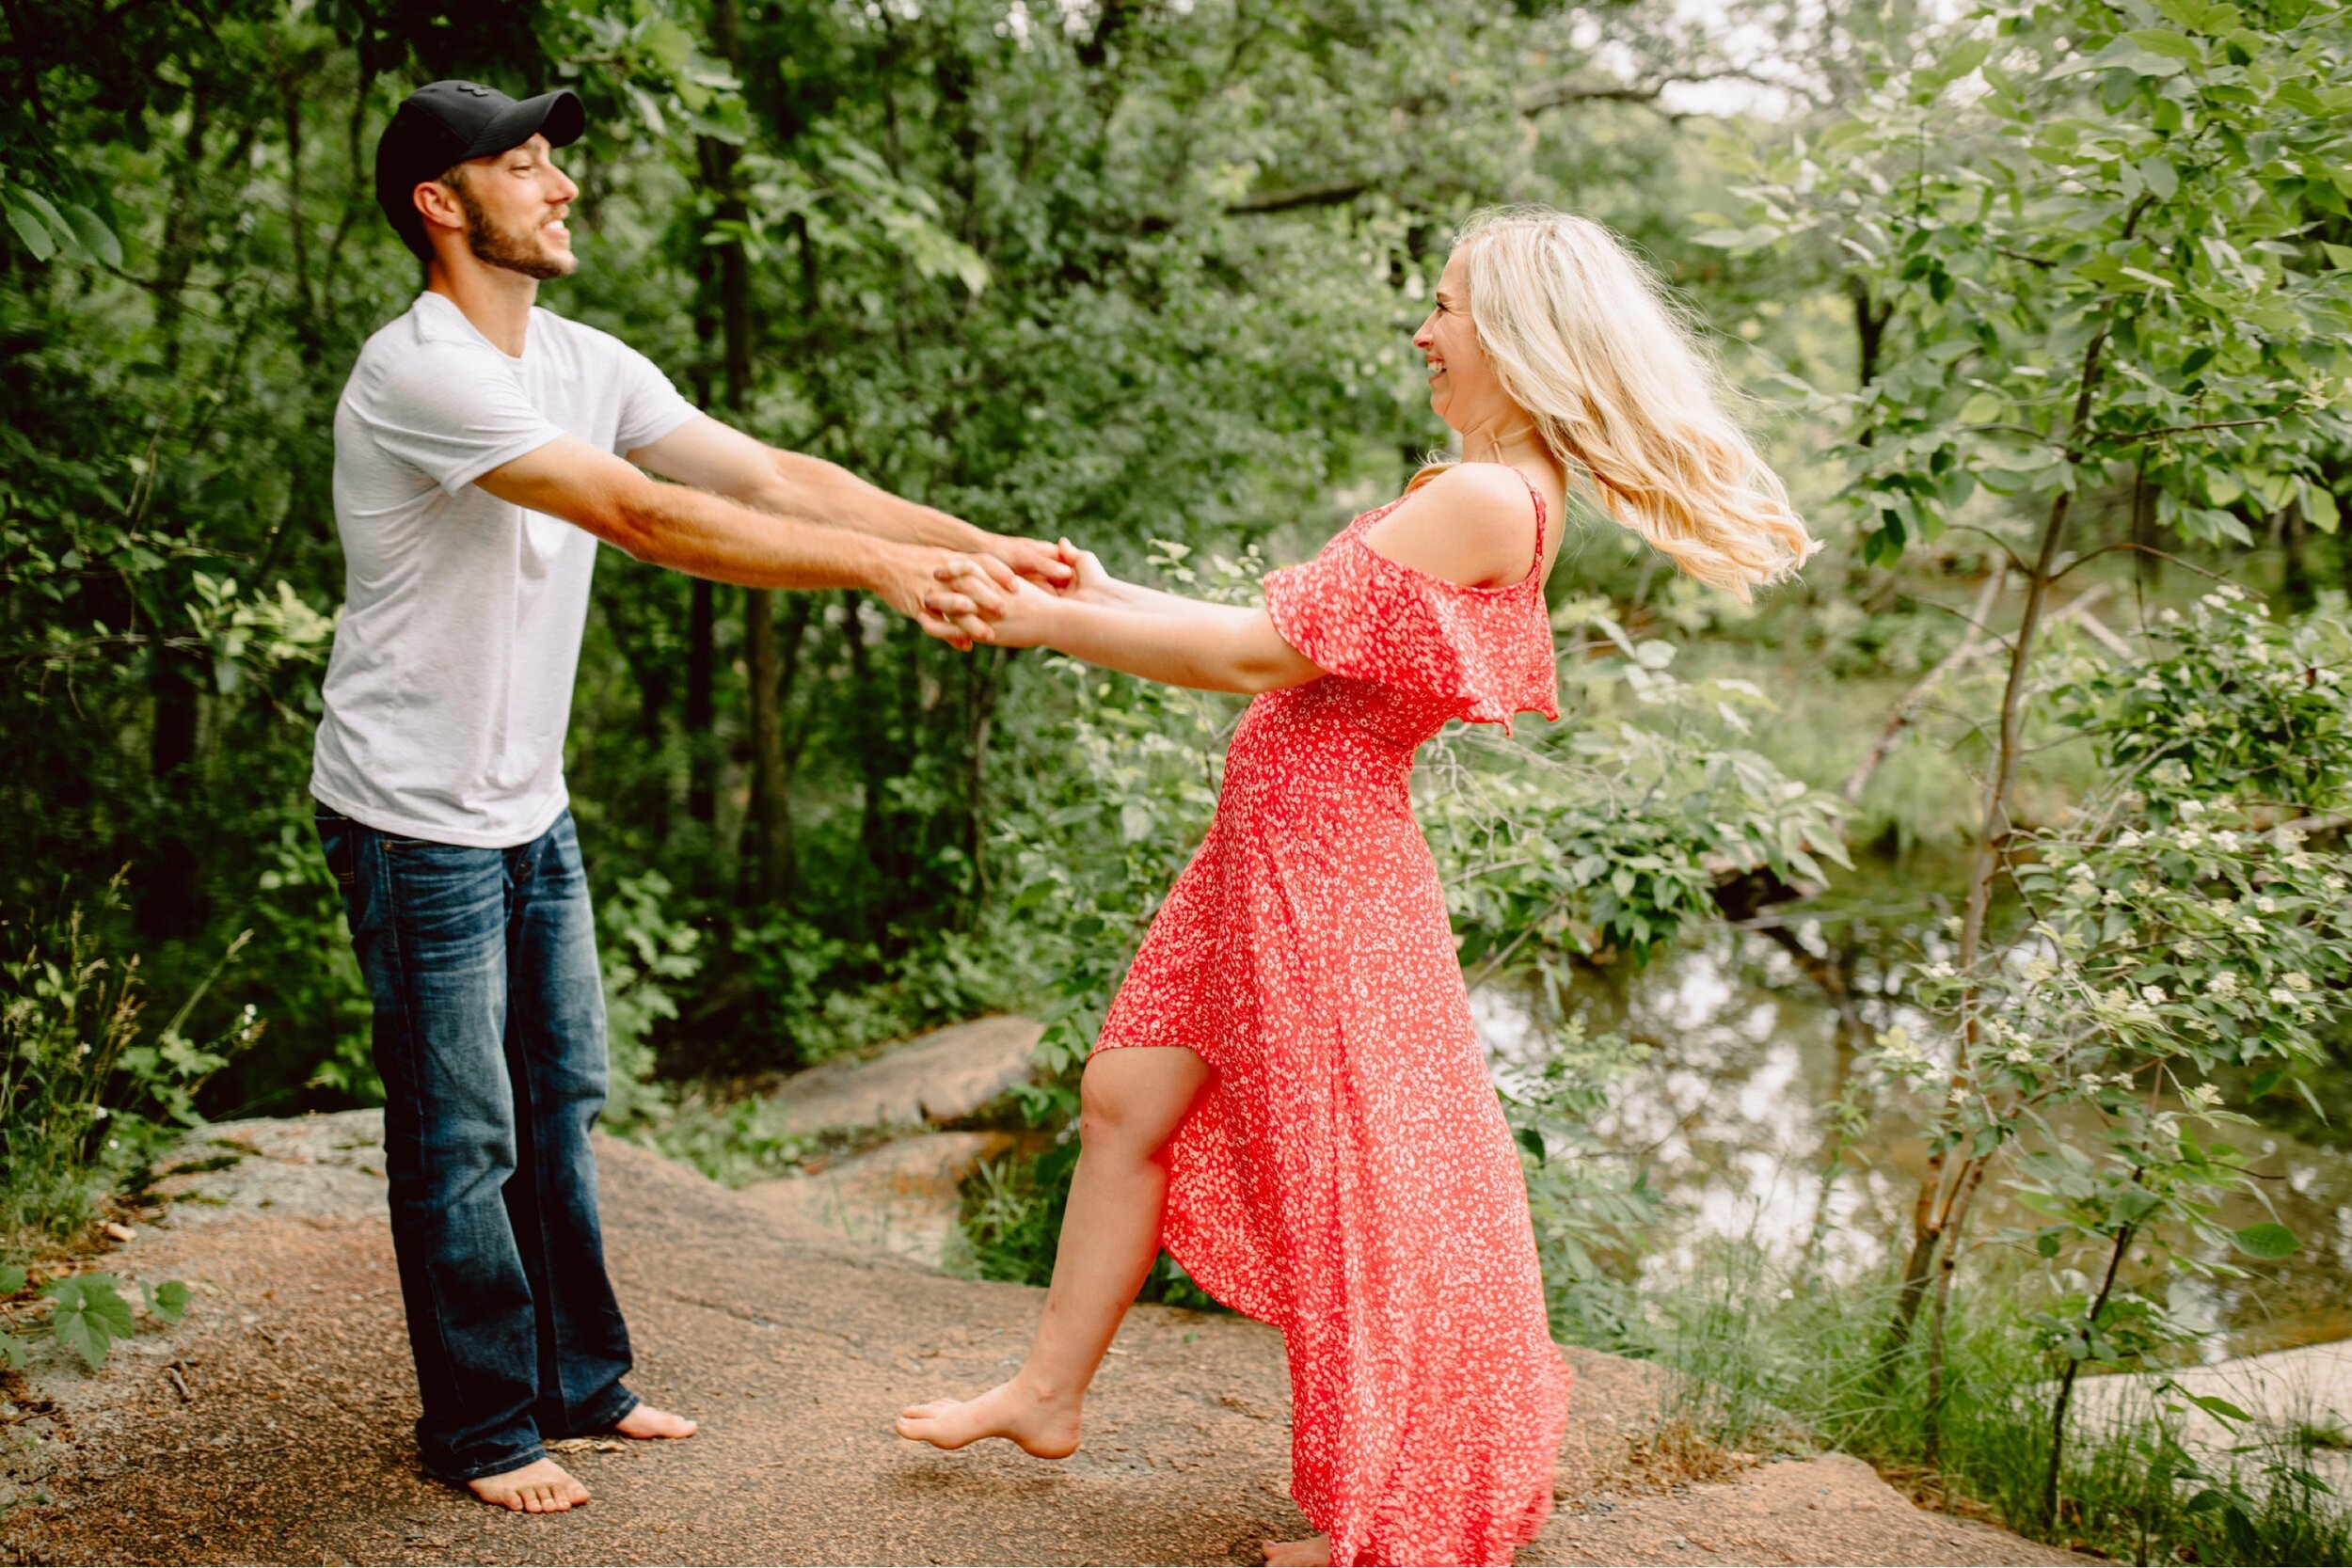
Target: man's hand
952 594
1033 558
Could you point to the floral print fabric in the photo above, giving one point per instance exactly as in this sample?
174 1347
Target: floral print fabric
1347 1175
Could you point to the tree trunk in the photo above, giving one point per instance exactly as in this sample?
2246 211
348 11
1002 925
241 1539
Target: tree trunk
1944 1191
770 829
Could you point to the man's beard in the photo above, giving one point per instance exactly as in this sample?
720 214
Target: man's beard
499 247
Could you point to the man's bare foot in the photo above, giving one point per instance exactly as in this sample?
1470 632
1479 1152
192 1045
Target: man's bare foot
1046 1428
645 1421
542 1486
1313 1552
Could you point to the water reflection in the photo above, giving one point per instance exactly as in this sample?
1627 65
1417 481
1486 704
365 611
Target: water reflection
1730 1116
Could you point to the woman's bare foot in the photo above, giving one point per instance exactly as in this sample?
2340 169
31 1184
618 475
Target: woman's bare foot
1043 1427
542 1486
645 1421
1313 1552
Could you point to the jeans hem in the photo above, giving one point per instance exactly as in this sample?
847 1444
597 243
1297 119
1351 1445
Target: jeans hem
530 1455
623 1402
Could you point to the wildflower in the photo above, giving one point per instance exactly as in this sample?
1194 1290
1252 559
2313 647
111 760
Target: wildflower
82 1050
2223 985
2283 996
100 1112
2142 886
2332 882
2192 808
2017 1056
2205 1097
2154 996
2168 616
2129 839
2294 979
2112 896
2266 904
2081 872
2226 841
2038 970
2195 718
2189 839
1938 971
2171 771
1958 1096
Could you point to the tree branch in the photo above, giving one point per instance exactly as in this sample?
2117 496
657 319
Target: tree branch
1328 195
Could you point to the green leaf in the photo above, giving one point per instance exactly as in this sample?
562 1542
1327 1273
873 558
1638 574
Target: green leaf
2161 176
2159 40
32 232
13 1350
2266 1240
93 234
89 1317
1983 409
12 1279
2212 1405
2129 53
167 1299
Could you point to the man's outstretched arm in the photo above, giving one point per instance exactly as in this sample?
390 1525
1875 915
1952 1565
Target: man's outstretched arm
714 457
709 536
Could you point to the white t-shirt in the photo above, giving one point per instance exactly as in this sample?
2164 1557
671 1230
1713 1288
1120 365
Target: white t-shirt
451 681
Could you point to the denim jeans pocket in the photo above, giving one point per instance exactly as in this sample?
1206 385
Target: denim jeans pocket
337 838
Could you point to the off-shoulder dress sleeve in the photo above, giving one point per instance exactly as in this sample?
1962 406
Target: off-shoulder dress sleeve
1355 614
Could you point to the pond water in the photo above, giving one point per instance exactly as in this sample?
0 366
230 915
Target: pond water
1730 1115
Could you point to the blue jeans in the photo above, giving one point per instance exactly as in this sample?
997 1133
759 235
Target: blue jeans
490 1036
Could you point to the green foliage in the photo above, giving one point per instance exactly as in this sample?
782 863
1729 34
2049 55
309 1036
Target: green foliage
2103 233
1773 1360
89 1315
85 1103
1591 1208
1612 834
645 953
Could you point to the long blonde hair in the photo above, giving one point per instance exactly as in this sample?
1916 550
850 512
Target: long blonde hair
1586 339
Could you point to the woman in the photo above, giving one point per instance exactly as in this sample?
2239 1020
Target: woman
1288 1093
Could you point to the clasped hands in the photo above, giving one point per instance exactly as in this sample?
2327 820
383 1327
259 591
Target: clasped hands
1006 595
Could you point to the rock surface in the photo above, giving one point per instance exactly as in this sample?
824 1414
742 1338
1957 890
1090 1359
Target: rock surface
292 1444
903 1197
938 1077
2310 1387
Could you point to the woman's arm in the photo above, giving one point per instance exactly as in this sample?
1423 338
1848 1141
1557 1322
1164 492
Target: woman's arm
1180 641
1142 631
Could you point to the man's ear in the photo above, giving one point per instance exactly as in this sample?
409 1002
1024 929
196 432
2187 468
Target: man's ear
438 204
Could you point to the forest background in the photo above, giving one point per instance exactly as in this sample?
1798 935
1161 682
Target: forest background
2035 784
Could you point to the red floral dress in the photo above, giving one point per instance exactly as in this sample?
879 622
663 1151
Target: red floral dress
1347 1175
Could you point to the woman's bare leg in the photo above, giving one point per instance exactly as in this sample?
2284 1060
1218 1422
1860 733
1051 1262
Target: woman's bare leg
1131 1103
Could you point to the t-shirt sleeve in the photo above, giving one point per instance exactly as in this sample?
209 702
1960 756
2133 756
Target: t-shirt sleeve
651 407
454 411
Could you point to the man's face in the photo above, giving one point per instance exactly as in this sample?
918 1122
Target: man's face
515 203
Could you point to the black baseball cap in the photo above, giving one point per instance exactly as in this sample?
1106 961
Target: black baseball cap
448 122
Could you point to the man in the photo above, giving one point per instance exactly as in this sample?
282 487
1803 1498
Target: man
479 458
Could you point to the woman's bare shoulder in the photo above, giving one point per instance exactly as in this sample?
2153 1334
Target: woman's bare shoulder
1474 524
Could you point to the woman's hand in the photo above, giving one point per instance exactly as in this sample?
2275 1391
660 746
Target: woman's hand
1088 579
1021 614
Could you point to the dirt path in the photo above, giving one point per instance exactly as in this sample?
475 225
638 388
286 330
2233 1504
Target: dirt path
291 1443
